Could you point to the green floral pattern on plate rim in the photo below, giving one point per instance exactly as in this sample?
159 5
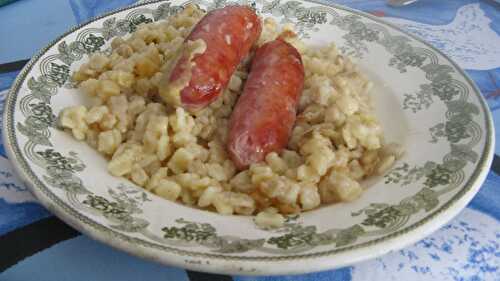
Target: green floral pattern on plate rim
120 212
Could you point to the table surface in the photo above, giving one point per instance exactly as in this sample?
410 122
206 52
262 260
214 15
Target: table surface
34 245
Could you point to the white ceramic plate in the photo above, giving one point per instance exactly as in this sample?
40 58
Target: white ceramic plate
424 101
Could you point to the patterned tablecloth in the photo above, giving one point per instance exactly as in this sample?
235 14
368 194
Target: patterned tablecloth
34 245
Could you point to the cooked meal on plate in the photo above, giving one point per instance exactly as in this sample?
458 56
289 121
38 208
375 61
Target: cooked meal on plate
231 113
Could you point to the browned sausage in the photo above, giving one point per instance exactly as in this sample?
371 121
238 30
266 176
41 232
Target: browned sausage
228 35
264 115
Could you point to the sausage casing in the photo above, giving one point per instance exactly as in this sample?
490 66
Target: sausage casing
226 36
264 115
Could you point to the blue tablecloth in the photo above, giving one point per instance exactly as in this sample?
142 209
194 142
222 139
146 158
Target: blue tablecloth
468 248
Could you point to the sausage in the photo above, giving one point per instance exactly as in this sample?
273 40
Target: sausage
204 70
264 115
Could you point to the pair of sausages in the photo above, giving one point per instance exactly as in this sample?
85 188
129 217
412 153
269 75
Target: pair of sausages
264 114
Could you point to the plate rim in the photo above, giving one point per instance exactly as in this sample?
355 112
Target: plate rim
170 255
